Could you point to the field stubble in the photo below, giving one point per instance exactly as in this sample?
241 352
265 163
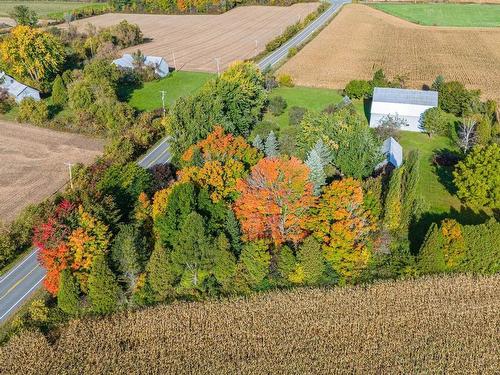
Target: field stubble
429 325
197 40
33 163
362 39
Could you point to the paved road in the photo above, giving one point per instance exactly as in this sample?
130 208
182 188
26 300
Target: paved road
275 57
22 280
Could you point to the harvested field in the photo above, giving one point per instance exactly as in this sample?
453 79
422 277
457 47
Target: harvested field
33 163
362 39
196 40
426 326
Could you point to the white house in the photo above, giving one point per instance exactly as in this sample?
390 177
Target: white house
16 89
158 63
407 104
393 153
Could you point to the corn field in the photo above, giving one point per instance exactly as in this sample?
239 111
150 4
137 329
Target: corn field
430 325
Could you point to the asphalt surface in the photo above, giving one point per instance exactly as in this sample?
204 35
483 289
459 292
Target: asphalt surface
275 57
24 278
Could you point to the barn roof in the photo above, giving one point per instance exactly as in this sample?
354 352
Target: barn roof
405 96
12 86
394 152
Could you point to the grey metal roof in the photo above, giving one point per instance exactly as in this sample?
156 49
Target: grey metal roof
394 152
404 96
12 86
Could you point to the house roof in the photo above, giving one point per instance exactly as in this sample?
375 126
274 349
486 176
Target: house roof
404 96
394 152
12 86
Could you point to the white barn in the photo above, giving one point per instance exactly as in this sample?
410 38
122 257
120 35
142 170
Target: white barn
16 89
158 63
407 104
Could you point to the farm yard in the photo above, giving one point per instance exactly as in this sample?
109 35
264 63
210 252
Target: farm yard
33 163
197 40
361 40
389 327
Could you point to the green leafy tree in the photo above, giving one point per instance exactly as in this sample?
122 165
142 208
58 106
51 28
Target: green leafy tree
483 130
431 257
358 89
477 177
32 111
436 122
455 98
68 295
410 199
224 261
24 16
255 260
59 92
311 261
286 262
160 275
104 292
271 147
393 207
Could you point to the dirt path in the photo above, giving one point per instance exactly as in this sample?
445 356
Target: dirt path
33 163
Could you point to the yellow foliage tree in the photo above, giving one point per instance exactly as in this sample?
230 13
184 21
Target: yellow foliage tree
32 54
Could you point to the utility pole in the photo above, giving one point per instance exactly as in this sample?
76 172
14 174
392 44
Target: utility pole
173 58
217 61
163 92
70 174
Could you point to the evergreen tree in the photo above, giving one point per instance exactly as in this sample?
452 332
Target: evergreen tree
256 261
271 147
59 92
224 261
392 216
193 253
311 260
104 291
68 299
160 276
323 152
411 176
128 252
234 232
431 257
258 142
438 83
317 174
483 130
286 262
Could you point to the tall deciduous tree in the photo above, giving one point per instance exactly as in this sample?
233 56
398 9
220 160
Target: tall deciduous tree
160 275
68 295
32 54
24 16
275 201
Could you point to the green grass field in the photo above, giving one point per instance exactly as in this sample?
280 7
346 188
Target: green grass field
176 85
314 99
467 15
47 9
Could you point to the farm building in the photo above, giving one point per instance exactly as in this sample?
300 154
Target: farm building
409 105
393 153
158 63
16 89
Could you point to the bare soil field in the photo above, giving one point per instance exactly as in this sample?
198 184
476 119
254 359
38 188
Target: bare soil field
33 163
361 40
197 40
434 325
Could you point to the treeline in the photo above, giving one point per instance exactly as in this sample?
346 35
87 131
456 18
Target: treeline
189 6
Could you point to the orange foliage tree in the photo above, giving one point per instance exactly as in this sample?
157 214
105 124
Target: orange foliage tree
343 224
217 162
275 201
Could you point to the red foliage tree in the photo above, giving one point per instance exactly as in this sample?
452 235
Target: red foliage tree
275 201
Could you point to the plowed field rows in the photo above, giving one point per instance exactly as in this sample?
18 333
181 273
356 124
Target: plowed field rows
197 40
33 163
361 39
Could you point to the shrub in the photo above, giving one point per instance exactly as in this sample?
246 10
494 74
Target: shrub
59 92
295 115
292 52
358 89
277 105
6 101
285 80
32 111
435 121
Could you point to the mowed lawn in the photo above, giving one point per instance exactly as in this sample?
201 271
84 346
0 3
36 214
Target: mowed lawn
47 9
467 15
313 99
176 85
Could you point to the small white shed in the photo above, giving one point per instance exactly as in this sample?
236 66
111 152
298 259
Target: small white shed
158 63
393 153
16 89
409 105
